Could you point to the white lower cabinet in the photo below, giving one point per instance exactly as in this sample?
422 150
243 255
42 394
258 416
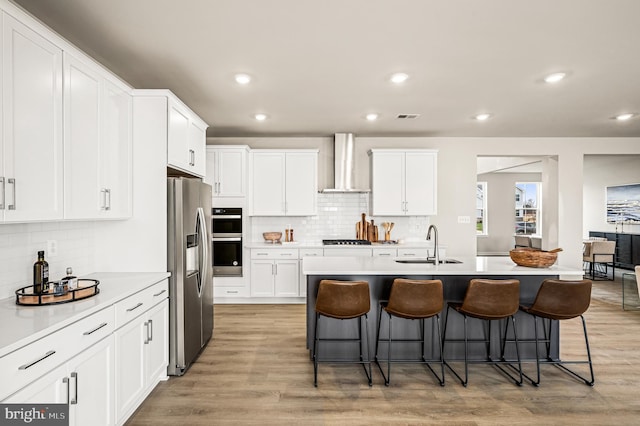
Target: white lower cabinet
103 365
141 358
274 273
85 383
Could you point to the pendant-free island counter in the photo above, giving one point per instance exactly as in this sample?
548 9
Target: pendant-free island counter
380 272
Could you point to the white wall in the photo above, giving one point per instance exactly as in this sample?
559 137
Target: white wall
457 177
601 171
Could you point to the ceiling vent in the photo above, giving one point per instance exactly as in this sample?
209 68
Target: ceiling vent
408 116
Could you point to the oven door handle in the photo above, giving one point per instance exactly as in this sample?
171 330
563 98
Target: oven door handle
226 239
226 216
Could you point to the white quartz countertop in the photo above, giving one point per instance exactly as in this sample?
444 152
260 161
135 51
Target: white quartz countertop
22 325
312 244
481 265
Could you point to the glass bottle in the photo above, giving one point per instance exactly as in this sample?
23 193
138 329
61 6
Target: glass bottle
40 274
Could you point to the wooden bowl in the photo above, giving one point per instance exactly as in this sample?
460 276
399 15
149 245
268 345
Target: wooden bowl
533 258
272 237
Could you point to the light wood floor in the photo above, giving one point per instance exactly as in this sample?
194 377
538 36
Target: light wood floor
256 371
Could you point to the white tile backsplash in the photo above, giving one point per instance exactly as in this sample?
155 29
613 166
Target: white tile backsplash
336 219
20 243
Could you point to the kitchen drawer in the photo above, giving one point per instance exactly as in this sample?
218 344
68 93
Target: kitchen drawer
311 252
414 252
348 251
274 253
385 252
27 364
230 292
136 304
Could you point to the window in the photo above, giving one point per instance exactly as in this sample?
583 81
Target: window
481 208
527 208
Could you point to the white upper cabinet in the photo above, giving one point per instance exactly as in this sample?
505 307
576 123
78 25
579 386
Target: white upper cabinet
403 182
97 123
31 150
187 138
226 170
283 183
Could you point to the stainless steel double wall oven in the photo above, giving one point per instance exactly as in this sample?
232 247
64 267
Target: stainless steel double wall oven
227 241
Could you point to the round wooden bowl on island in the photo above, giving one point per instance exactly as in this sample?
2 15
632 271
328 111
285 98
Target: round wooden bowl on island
272 237
534 258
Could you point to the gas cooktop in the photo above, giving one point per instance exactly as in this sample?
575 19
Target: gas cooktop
346 242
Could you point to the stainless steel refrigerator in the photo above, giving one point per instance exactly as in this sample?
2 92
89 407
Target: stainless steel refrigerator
189 261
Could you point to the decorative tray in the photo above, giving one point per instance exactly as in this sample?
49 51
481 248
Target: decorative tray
86 288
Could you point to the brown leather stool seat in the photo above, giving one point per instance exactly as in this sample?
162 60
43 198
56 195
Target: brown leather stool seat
559 300
487 300
343 300
414 300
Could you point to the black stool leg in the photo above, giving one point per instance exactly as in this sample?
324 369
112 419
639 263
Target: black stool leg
315 353
366 332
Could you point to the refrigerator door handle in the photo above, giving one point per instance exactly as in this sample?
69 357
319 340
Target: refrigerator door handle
204 243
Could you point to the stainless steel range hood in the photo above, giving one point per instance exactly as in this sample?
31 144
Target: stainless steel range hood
344 165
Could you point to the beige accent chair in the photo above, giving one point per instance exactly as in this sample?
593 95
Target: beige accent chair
597 259
522 241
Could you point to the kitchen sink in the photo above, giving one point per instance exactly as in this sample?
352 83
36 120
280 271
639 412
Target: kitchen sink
431 261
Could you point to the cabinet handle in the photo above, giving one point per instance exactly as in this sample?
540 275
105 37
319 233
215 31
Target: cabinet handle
150 330
232 291
2 191
146 334
408 254
286 254
108 199
65 380
32 363
86 333
192 161
384 254
276 265
262 254
158 294
74 400
103 199
12 181
135 307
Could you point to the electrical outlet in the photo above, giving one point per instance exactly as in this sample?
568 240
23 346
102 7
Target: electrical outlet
464 219
52 248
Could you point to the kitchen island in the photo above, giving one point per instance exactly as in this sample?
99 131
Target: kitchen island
380 273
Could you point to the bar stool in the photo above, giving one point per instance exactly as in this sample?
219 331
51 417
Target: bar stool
488 300
559 300
343 300
414 300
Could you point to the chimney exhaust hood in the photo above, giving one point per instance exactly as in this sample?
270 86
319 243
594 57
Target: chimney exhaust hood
344 165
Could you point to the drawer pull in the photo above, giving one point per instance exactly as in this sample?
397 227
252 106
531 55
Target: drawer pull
74 400
135 307
232 292
408 254
286 254
25 366
86 333
262 254
146 334
158 294
150 330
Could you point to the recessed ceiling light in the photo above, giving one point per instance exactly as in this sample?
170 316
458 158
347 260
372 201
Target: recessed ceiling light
555 77
372 116
399 77
625 116
243 78
482 117
260 117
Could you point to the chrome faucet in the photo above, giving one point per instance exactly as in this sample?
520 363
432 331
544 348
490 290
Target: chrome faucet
435 242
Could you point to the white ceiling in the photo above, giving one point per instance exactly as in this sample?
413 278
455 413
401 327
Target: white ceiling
320 66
